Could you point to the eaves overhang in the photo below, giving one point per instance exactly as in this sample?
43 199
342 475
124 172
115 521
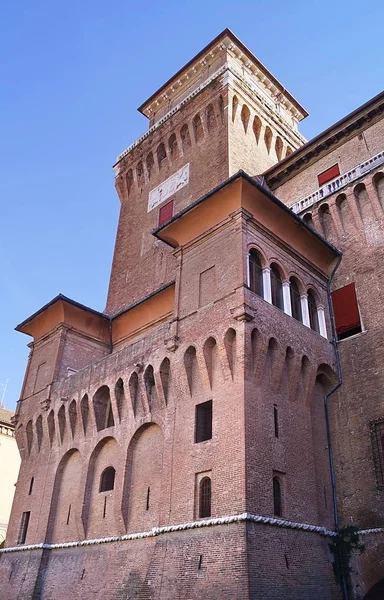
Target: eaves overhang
234 193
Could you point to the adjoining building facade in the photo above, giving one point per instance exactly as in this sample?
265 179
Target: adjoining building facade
186 442
9 468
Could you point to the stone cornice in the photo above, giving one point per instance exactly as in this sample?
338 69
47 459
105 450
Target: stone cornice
226 44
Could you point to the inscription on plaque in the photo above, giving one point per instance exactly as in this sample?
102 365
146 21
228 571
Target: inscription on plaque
168 187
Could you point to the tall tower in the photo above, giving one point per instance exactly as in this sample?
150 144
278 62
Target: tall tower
222 112
175 445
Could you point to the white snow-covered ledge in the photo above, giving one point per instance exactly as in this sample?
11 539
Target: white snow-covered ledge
182 527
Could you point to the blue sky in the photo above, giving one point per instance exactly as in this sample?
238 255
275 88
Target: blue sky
73 74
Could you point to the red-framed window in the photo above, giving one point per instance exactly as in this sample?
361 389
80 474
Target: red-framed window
329 174
166 213
346 311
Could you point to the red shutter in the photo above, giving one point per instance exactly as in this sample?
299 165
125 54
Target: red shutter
329 174
345 309
166 213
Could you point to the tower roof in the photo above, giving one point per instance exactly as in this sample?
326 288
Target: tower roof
189 77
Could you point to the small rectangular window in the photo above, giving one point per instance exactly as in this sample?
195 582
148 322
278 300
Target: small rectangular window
203 428
24 527
165 213
346 311
329 174
276 421
377 435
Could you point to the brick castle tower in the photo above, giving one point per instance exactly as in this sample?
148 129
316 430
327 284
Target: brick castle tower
176 445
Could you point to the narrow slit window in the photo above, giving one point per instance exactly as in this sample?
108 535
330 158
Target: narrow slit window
31 486
276 421
277 497
24 527
148 497
203 429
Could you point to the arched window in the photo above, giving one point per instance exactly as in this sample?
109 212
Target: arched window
295 299
107 480
276 287
312 309
277 497
255 273
205 497
308 220
268 138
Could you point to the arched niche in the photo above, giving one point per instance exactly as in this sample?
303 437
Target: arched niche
143 479
99 508
64 524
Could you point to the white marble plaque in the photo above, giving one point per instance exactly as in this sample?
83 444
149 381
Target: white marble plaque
169 187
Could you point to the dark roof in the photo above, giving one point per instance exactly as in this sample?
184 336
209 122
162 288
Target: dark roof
325 137
5 416
56 299
247 52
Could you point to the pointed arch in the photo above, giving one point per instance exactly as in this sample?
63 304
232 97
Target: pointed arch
51 427
161 154
29 433
39 431
140 173
197 128
150 386
150 164
120 398
257 128
279 147
245 116
102 408
268 138
378 182
84 408
185 137
210 117
288 151
134 391
173 146
72 411
235 103
230 349
190 365
363 203
326 221
61 418
165 373
211 360
221 108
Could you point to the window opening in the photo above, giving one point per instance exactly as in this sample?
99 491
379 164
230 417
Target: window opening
203 421
276 497
105 507
107 480
24 527
148 496
295 299
69 514
255 273
276 287
276 421
31 486
312 309
205 498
